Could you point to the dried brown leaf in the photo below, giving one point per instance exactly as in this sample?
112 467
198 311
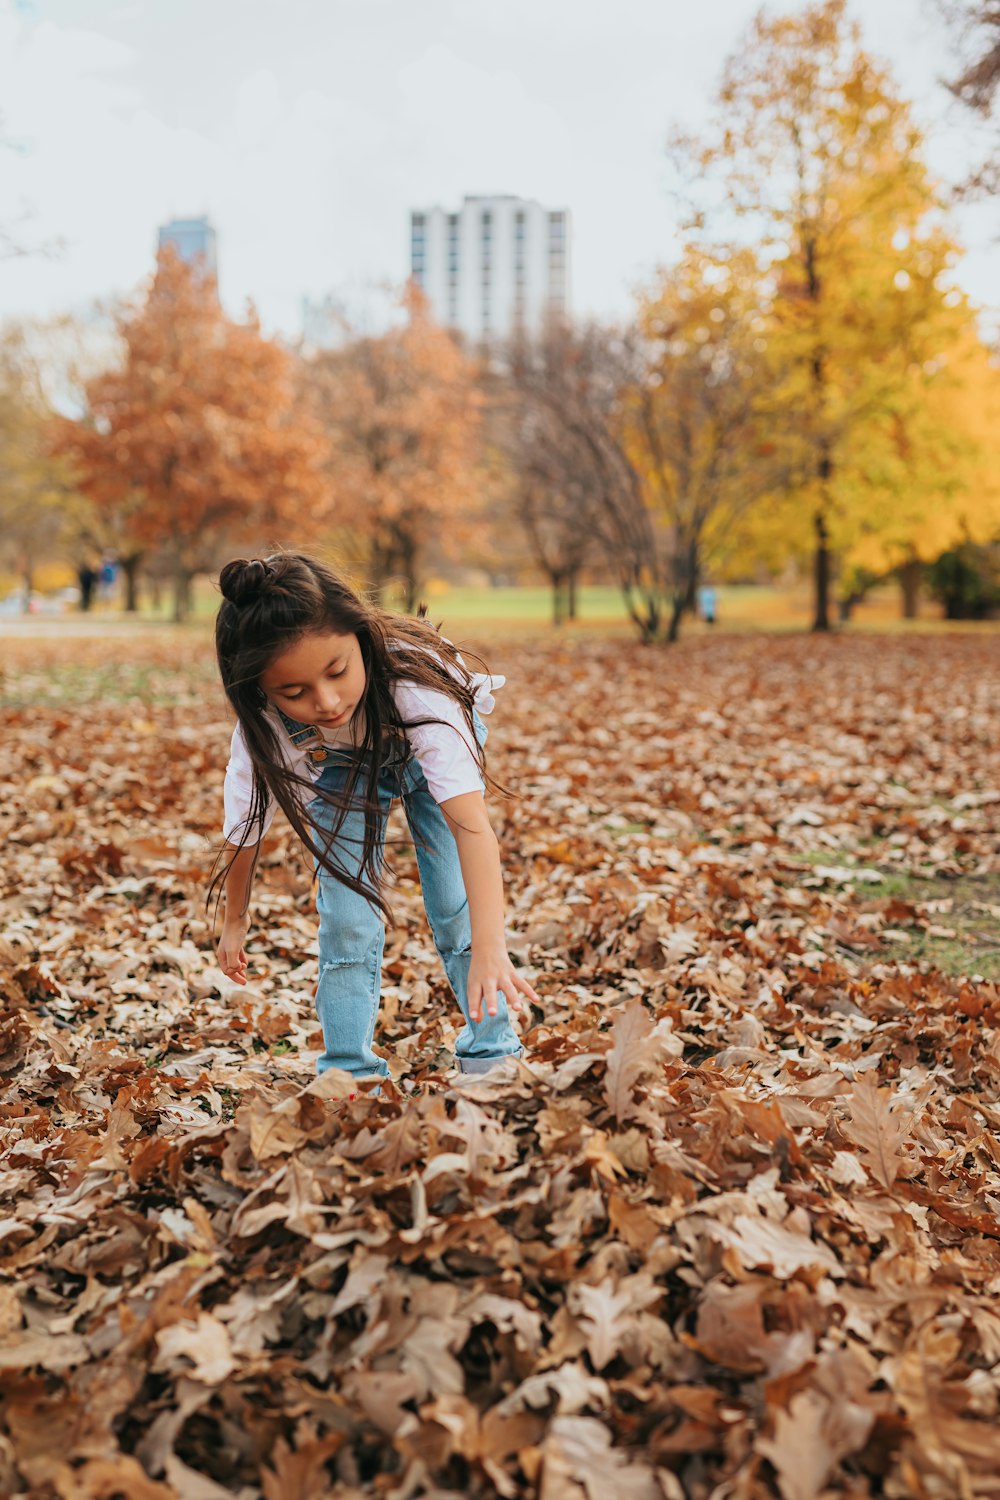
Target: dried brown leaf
637 1047
879 1125
810 1439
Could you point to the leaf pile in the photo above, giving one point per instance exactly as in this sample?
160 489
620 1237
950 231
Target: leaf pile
732 1227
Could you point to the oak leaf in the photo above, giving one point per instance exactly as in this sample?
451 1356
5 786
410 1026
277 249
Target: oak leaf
205 1343
786 1248
606 1314
108 1479
879 1127
637 1047
810 1439
579 1461
300 1472
955 1444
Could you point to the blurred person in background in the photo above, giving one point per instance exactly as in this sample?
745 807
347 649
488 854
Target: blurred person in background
86 575
108 578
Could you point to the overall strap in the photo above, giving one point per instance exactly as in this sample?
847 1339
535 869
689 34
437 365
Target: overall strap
307 737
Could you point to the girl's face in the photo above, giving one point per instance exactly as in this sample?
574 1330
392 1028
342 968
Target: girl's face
318 680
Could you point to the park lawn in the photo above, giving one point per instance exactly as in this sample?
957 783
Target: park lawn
464 606
756 883
599 605
525 611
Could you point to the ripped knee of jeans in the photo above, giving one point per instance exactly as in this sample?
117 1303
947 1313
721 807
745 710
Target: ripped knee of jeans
453 950
346 961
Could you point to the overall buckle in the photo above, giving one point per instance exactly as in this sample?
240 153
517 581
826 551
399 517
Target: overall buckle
310 739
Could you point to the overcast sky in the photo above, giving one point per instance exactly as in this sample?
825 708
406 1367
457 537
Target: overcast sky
307 130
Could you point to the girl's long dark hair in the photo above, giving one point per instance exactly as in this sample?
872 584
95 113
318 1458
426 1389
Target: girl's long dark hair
269 604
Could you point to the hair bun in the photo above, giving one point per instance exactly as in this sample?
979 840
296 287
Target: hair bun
244 580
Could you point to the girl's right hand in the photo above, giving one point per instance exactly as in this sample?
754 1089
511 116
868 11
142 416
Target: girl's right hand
232 955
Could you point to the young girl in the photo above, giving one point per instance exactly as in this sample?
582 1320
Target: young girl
342 707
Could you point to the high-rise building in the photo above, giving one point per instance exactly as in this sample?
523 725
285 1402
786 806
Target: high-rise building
194 241
496 267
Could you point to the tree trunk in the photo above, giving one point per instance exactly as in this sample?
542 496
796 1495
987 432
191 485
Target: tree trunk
693 580
379 567
558 582
130 567
910 578
645 616
845 605
407 565
182 594
405 552
571 595
822 620
27 581
824 467
677 610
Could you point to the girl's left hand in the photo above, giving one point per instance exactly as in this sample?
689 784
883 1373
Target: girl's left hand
489 972
232 954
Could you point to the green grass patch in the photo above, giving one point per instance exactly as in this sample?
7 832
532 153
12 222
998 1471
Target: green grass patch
958 931
72 684
517 605
955 927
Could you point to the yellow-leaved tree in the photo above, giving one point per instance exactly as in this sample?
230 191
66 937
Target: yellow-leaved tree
41 514
941 484
816 160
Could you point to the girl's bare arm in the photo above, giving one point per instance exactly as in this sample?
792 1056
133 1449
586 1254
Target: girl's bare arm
479 855
236 919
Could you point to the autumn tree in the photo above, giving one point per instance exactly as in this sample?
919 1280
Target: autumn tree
195 435
976 26
569 445
693 418
401 412
554 490
39 509
66 353
555 496
818 159
939 486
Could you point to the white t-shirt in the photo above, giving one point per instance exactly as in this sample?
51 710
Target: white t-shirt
445 750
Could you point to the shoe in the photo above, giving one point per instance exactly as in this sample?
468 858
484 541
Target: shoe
483 1067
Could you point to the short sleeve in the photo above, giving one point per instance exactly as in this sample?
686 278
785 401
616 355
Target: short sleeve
238 794
446 748
484 685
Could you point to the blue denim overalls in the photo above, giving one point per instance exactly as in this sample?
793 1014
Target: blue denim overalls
351 930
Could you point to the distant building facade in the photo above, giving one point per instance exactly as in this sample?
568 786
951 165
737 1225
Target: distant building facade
496 267
194 241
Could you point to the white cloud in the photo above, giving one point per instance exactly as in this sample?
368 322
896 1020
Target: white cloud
307 129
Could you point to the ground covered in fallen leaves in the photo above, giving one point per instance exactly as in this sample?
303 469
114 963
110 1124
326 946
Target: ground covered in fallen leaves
731 1229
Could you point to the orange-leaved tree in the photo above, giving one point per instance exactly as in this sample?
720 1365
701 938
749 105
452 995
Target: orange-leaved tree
196 435
402 414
